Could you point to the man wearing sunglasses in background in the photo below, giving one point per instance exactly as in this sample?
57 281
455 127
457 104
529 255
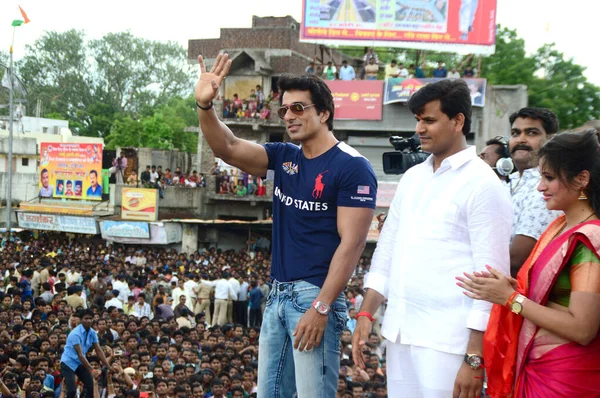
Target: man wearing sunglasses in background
323 201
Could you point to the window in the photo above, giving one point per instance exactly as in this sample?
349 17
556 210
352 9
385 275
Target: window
25 162
45 130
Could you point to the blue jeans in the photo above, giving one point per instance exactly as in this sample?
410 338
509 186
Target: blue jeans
283 371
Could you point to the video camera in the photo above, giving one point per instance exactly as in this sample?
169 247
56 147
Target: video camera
408 154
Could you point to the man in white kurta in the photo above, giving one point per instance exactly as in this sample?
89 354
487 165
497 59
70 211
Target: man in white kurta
450 215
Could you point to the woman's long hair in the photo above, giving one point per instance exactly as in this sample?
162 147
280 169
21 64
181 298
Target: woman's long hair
568 154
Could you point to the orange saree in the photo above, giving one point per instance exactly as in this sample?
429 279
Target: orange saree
510 341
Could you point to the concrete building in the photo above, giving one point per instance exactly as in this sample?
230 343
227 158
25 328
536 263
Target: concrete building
261 53
24 166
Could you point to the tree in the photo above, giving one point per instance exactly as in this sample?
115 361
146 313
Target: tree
137 74
164 129
56 71
510 63
3 91
96 84
564 89
125 132
552 81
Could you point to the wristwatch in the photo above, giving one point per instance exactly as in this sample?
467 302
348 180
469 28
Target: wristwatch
474 361
321 307
516 304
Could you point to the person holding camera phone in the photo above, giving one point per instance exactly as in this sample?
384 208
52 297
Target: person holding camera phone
74 362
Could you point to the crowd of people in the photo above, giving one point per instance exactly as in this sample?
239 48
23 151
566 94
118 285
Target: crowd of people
473 271
237 182
254 106
372 67
169 324
154 177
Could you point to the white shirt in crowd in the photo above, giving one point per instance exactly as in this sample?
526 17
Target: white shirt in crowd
453 75
142 310
531 217
243 293
189 287
358 302
175 294
114 302
223 289
123 289
402 72
235 284
347 73
440 225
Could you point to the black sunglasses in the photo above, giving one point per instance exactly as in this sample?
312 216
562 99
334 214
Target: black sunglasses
297 108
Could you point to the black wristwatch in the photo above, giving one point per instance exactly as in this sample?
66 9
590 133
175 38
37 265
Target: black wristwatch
474 361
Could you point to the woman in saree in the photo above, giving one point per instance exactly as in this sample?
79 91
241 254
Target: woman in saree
542 337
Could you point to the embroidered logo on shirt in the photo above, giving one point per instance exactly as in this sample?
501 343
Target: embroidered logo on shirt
290 168
319 186
363 190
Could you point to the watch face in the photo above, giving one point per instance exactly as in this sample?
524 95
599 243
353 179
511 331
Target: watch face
475 361
516 307
322 308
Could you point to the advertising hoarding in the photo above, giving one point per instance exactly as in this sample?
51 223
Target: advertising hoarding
400 90
463 26
71 171
55 222
140 204
126 229
357 99
160 234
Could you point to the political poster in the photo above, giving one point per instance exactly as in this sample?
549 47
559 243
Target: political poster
464 26
400 89
140 204
357 99
71 171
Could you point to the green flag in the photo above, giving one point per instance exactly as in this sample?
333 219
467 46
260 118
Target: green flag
17 22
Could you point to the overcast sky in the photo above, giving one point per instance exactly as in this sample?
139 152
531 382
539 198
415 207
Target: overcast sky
571 24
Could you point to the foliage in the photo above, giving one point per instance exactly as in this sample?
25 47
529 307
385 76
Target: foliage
120 87
553 81
164 129
510 63
56 71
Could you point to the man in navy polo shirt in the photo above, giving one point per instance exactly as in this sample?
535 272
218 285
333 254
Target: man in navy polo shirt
74 362
323 201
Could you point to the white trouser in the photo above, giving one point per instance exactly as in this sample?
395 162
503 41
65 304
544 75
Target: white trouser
418 372
466 15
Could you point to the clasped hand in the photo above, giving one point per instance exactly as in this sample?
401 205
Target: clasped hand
491 286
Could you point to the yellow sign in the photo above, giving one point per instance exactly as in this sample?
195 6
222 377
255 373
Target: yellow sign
139 204
57 209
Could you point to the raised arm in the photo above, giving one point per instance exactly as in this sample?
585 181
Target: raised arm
245 155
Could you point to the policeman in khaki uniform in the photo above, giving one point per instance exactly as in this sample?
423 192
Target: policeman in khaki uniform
74 299
203 296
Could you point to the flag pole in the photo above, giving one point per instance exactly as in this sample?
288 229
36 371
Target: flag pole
10 139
